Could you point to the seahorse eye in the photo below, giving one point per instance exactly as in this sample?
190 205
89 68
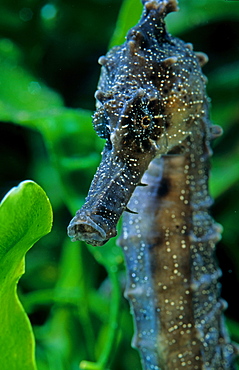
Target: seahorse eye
145 122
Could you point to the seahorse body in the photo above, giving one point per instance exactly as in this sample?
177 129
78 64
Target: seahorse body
172 273
152 109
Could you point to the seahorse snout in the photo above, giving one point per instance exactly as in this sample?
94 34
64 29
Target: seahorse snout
84 228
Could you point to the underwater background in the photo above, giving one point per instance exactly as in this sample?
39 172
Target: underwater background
73 293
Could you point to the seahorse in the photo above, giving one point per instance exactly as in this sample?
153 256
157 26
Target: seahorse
152 109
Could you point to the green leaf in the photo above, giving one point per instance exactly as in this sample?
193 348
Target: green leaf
129 15
111 257
71 306
25 216
21 94
225 173
196 13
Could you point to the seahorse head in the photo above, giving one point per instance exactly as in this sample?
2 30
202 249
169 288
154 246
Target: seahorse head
151 89
150 94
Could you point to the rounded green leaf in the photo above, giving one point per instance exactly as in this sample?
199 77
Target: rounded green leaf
25 216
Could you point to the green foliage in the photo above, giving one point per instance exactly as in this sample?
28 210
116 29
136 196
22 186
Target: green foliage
48 60
25 216
129 15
